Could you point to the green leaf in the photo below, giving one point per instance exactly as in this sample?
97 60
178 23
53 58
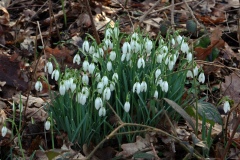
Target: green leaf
181 111
143 155
204 42
211 112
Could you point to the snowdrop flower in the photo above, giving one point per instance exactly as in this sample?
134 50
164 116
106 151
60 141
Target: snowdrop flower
85 79
96 56
141 62
159 82
106 93
135 46
179 39
173 41
100 87
157 73
102 112
85 46
112 86
174 57
91 68
134 36
189 57
170 65
126 107
159 58
155 94
112 55
101 52
123 56
62 88
4 131
47 125
67 84
115 77
98 103
108 33
128 56
105 80
201 78
189 74
109 65
91 50
55 74
137 87
38 86
77 59
73 87
107 44
85 91
164 50
143 86
126 48
226 106
165 86
148 46
184 47
166 60
48 67
195 71
85 65
97 76
116 32
81 98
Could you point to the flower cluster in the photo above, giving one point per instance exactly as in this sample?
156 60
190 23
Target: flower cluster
111 70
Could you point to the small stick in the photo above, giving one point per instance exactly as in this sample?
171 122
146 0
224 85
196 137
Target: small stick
92 21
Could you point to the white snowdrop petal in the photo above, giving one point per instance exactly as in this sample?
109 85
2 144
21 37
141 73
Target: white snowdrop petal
4 131
47 125
226 106
109 65
126 107
155 94
201 78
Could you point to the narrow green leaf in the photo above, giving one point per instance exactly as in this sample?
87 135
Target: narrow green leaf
181 111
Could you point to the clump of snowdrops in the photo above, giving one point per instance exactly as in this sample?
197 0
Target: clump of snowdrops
131 73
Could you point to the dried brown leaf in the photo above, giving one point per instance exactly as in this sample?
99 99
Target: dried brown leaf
4 18
32 101
231 87
216 41
130 148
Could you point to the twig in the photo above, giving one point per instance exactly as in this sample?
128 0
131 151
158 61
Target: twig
229 142
92 21
172 13
141 19
144 16
192 14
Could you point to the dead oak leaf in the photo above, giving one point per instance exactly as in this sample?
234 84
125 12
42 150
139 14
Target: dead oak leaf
231 87
60 53
32 101
130 148
216 42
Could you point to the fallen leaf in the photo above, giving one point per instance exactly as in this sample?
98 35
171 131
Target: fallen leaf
130 148
216 42
11 74
231 87
38 114
32 101
4 18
